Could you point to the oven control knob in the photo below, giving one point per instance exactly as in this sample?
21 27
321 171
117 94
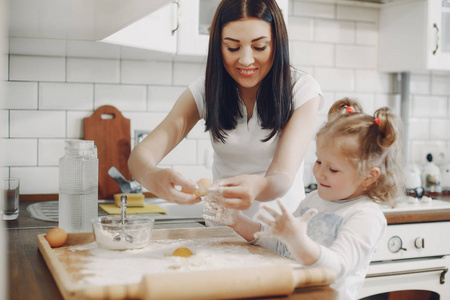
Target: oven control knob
419 243
395 244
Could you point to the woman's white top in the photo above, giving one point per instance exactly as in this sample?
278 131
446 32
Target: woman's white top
348 232
244 152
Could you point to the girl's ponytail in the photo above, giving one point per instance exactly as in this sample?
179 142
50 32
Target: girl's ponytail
345 105
387 127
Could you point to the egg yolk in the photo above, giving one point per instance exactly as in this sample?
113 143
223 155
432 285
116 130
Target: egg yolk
182 252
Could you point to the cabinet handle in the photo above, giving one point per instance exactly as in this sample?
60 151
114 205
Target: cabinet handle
178 17
406 272
438 38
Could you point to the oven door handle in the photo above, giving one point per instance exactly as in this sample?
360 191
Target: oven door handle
443 270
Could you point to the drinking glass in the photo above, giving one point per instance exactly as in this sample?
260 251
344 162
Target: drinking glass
10 198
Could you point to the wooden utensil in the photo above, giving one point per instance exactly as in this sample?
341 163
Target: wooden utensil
110 132
262 281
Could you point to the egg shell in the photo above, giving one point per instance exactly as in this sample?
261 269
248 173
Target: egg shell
204 184
56 237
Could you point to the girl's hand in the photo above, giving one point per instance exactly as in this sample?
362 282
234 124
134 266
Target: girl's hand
220 214
237 192
285 227
167 185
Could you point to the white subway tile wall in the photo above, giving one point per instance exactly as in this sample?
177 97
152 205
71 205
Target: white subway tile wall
66 96
37 68
123 97
21 95
93 70
54 84
4 124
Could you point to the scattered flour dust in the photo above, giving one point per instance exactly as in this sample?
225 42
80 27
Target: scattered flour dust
109 267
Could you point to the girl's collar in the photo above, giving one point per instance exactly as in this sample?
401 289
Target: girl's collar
348 200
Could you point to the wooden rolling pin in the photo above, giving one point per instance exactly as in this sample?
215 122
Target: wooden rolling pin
273 280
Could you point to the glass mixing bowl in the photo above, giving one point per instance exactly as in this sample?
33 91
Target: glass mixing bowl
110 233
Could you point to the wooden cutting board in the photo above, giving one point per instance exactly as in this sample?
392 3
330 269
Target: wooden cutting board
110 132
72 268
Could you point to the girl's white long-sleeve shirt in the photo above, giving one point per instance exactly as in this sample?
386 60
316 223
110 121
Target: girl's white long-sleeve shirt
348 232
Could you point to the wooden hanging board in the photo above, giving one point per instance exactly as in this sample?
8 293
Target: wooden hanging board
110 132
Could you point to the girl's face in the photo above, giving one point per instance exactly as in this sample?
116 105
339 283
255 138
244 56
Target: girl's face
337 178
247 51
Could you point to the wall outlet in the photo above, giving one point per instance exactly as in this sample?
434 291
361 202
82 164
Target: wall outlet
139 135
440 154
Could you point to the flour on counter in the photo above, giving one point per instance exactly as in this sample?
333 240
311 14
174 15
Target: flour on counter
109 267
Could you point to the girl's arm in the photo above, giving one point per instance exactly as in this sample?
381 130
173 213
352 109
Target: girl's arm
292 232
355 243
167 135
240 191
235 219
352 249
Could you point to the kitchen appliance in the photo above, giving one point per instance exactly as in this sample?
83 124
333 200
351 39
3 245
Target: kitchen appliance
412 256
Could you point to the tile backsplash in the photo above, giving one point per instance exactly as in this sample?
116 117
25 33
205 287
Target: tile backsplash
53 84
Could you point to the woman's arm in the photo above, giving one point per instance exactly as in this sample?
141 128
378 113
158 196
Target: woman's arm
240 191
167 135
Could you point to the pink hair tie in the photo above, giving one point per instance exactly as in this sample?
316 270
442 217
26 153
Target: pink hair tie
349 110
377 121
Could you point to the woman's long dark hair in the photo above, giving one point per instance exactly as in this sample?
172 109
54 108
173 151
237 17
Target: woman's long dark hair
274 96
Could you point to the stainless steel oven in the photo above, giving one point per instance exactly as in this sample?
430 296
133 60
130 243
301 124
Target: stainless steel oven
412 257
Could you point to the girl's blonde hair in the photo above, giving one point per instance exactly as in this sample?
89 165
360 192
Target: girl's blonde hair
378 144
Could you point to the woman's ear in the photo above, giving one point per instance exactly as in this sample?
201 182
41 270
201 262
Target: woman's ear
374 174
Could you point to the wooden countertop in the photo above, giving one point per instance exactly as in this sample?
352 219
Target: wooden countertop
30 278
419 215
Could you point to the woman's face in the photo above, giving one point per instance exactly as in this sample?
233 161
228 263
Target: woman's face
247 51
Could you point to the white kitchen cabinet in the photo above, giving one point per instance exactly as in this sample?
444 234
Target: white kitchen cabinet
180 28
195 21
415 36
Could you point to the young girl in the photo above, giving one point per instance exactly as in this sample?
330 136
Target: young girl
338 226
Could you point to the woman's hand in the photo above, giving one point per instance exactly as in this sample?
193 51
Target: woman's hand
237 192
167 185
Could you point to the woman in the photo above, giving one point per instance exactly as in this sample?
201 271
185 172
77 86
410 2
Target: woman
259 111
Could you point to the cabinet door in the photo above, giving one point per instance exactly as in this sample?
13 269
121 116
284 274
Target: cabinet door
195 21
439 34
153 32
